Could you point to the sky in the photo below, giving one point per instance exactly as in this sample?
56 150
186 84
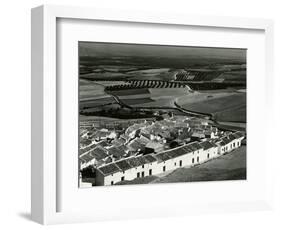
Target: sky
126 50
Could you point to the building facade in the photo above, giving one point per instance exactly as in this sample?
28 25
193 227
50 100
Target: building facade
188 155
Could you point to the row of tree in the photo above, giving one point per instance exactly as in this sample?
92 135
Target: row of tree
146 84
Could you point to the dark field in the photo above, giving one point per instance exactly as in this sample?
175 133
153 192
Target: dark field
96 102
226 108
235 115
130 92
218 104
137 101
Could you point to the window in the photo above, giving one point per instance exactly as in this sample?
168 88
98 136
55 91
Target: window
192 160
234 144
164 168
112 182
142 166
180 163
138 175
122 178
142 174
208 155
175 164
150 172
197 159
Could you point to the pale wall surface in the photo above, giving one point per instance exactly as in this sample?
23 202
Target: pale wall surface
15 114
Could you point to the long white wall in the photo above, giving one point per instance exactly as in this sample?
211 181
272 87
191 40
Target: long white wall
187 160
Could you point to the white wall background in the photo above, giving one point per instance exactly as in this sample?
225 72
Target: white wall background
15 112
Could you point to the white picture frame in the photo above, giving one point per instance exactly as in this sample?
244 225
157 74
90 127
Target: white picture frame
45 195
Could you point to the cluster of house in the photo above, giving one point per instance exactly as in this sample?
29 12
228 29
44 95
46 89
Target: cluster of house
99 146
155 163
114 150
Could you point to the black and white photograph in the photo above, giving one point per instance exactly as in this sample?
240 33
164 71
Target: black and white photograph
161 114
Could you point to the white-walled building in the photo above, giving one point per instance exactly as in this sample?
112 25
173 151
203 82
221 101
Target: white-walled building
152 164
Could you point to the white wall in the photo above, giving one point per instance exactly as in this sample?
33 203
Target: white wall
15 113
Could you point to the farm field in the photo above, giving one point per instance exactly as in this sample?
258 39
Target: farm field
237 124
233 76
90 89
226 106
95 102
201 97
232 115
150 97
137 101
129 92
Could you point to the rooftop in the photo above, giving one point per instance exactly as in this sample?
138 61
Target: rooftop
109 169
86 158
238 134
149 158
123 165
164 156
154 145
136 161
87 149
117 151
99 153
206 145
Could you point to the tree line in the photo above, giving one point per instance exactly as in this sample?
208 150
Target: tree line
139 84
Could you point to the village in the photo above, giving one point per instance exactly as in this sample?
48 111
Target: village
112 151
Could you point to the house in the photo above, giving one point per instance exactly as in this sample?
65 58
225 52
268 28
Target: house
230 142
163 134
184 136
138 144
164 162
239 137
108 174
151 164
187 155
196 136
127 170
139 166
125 137
99 153
135 146
95 156
132 130
117 151
153 147
102 135
103 143
85 142
119 141
83 151
86 160
210 150
193 122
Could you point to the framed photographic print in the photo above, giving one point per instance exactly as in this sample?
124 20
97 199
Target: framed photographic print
128 107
